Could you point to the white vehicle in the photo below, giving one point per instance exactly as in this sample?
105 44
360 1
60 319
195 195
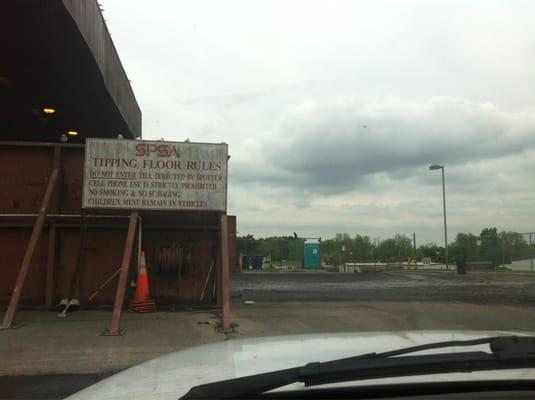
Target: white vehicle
412 364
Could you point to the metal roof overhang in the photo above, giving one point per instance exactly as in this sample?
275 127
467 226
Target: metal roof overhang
59 54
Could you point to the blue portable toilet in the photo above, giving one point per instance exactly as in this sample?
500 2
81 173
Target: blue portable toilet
312 254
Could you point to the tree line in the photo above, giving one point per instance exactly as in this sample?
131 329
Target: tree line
489 246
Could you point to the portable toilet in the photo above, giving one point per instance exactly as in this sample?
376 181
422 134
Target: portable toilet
312 254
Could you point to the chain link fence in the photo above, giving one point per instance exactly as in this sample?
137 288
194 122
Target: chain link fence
491 250
525 259
277 253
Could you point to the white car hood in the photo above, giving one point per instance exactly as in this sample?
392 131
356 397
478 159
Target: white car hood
171 376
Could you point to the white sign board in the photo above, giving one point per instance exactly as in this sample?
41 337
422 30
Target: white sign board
147 175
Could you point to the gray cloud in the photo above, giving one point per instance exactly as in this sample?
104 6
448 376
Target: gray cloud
289 84
325 148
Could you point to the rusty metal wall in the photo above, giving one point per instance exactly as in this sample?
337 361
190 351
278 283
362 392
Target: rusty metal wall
25 171
233 259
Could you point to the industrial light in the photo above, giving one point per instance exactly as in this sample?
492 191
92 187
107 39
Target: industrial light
49 110
72 133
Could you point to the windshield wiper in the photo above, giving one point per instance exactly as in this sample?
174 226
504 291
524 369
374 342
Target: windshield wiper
507 352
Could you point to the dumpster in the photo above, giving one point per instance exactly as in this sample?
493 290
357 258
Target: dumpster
461 266
257 262
246 262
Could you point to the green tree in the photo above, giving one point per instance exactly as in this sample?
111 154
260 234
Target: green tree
465 246
363 249
395 249
490 246
430 250
514 246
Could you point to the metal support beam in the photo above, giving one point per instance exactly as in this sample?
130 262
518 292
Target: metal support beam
37 228
50 264
115 329
225 289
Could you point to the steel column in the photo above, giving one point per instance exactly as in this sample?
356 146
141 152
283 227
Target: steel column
225 289
36 233
445 224
121 286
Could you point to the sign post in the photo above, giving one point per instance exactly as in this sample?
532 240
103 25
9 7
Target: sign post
161 176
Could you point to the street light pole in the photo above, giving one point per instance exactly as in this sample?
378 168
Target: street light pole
441 167
445 224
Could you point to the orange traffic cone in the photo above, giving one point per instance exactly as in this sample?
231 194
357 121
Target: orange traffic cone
141 303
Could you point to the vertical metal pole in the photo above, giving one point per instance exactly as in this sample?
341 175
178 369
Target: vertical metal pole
530 253
52 235
51 260
36 232
503 250
445 225
225 289
121 286
414 249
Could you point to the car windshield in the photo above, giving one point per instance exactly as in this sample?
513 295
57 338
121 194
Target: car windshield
281 182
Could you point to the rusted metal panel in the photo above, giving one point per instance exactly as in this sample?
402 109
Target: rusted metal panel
25 173
14 243
35 145
225 284
50 267
27 167
233 262
103 252
32 243
169 287
72 180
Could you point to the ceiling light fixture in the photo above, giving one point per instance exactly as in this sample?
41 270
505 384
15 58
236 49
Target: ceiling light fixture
49 110
72 133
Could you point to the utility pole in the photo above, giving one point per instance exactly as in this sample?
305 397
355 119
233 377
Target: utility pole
414 249
503 250
441 167
445 225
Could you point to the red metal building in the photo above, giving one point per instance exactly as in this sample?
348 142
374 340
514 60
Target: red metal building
61 78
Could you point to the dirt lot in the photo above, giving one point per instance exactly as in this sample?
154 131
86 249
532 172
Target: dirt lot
478 288
63 356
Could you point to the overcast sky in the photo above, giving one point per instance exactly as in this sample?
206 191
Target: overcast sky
333 110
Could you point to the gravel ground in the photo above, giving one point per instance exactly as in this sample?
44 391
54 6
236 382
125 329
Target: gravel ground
284 303
496 288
